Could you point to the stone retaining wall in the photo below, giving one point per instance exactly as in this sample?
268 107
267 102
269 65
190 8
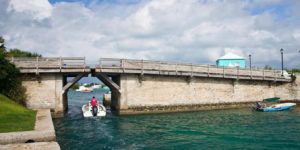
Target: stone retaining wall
43 132
155 94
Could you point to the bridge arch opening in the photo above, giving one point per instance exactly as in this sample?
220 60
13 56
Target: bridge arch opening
104 87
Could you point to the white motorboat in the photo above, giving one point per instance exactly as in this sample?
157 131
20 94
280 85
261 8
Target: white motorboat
84 89
274 107
96 86
89 111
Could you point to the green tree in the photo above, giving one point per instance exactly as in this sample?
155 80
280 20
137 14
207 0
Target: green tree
20 53
15 52
268 67
295 70
2 47
10 80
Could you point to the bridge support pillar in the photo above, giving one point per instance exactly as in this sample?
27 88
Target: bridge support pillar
45 91
109 82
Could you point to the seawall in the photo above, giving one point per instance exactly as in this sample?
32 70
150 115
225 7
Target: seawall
156 94
43 135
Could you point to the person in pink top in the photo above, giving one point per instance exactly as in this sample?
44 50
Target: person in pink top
93 101
94 106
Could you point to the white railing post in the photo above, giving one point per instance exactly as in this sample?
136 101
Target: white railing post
191 69
159 65
237 72
60 63
176 68
208 70
250 73
142 70
84 64
223 71
37 65
122 65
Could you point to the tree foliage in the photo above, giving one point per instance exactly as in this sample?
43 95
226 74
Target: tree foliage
2 47
10 78
295 70
10 81
19 53
75 86
268 67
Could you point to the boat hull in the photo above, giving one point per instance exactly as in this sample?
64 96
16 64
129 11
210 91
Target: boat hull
278 107
84 89
272 99
87 111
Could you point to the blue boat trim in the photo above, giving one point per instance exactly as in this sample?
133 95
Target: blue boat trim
272 99
275 107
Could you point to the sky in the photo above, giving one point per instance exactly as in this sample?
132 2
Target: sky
190 31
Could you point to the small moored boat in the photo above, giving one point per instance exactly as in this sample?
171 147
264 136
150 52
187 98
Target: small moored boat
89 111
272 99
274 107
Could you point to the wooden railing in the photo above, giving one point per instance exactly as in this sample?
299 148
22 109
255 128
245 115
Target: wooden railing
161 67
111 65
49 62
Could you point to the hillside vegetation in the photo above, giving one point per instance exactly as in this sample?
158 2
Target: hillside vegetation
15 117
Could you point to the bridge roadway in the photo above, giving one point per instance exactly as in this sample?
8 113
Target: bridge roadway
143 83
128 66
111 66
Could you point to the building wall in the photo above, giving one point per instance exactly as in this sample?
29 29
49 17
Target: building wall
231 63
175 91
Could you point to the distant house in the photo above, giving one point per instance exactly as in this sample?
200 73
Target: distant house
231 60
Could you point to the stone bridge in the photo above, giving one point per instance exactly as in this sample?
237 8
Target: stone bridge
143 86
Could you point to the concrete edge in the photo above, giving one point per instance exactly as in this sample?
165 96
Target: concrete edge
31 146
43 131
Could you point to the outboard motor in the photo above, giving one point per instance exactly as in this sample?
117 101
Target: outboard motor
94 110
258 106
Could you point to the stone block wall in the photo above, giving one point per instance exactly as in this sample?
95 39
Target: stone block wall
161 92
44 91
157 91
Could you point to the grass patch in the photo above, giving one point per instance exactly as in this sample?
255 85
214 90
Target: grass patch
15 117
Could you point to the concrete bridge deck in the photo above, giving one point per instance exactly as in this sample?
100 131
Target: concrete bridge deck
128 66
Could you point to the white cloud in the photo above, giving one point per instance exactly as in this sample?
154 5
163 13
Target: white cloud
263 35
38 9
176 30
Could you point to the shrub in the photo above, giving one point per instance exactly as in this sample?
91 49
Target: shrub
10 78
75 86
10 81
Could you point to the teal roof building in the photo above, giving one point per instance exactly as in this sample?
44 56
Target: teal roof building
231 60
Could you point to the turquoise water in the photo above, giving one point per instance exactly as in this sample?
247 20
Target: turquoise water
217 129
